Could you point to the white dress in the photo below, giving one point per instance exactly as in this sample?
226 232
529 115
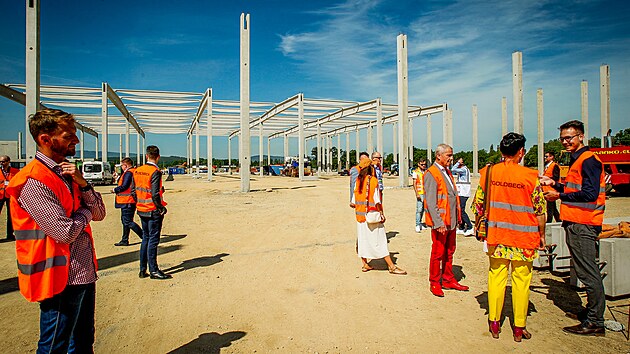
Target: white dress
371 238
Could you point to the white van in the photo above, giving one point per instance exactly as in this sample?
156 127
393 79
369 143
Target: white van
97 172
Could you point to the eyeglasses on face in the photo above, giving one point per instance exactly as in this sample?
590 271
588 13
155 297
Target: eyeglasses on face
567 138
3 161
377 157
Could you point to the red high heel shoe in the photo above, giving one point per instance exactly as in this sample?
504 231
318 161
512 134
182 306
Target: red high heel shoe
495 328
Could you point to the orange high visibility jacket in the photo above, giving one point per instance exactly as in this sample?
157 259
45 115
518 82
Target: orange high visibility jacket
142 179
511 218
549 173
126 197
588 213
364 200
419 181
4 180
444 207
43 263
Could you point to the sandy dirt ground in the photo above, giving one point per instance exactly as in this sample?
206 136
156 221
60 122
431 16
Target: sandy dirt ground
275 270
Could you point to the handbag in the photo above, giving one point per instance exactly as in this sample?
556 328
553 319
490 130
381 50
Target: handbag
372 216
481 221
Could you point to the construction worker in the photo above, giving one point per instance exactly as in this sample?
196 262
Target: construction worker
52 206
7 173
151 209
443 215
462 180
126 201
552 170
418 187
583 197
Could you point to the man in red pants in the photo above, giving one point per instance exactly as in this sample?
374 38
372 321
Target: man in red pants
442 215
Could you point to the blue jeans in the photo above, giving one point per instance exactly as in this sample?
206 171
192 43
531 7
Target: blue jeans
419 210
66 321
466 224
151 229
126 217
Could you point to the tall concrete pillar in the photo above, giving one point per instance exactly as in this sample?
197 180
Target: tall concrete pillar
370 145
338 152
395 141
444 124
104 122
447 126
584 104
209 134
96 150
411 141
319 150
244 140
379 126
32 70
330 155
604 96
475 148
260 149
324 153
429 136
120 147
190 153
127 149
268 152
286 147
138 149
197 147
301 137
403 111
541 131
347 151
358 147
517 90
230 155
19 146
82 146
504 117
144 150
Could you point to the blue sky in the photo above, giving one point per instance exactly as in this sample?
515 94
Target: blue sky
459 53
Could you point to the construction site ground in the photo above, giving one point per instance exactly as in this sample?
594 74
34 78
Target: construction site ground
275 270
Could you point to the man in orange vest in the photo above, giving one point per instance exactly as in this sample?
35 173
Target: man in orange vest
126 201
7 173
52 206
442 216
583 200
552 170
151 209
418 188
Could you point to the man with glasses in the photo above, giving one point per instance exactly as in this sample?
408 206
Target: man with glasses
552 170
418 187
582 212
377 160
7 173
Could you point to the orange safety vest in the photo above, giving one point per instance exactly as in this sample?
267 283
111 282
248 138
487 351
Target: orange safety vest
444 207
4 181
43 263
511 218
588 213
364 201
126 197
142 179
549 173
419 181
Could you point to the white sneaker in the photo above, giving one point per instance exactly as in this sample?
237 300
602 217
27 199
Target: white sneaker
460 232
418 228
469 232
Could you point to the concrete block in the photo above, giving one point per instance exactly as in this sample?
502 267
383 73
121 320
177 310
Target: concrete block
615 251
543 261
562 259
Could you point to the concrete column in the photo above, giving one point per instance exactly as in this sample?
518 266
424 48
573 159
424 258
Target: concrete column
329 138
447 126
82 145
138 149
244 140
338 152
444 124
301 146
260 149
403 111
370 145
347 151
379 127
541 131
209 134
268 152
475 148
604 96
32 71
411 141
286 147
429 136
358 147
197 162
504 117
120 148
517 90
395 141
19 146
144 150
324 154
229 155
584 97
127 149
104 122
319 150
96 150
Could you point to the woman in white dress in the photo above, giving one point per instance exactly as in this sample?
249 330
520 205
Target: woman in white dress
372 240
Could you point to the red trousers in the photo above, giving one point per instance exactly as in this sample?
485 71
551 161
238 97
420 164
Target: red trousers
441 263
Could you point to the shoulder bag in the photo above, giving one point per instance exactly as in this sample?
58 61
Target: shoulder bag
481 221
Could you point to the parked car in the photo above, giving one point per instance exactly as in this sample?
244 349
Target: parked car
97 172
344 173
394 170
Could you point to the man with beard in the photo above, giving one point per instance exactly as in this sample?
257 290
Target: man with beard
51 207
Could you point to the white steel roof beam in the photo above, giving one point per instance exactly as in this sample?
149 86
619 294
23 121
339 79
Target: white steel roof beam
113 97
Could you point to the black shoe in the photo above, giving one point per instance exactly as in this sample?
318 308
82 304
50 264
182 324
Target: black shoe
143 274
160 275
578 316
586 329
121 243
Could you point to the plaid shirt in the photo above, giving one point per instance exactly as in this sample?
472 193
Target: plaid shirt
44 207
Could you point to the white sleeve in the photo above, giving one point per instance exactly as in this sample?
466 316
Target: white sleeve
377 196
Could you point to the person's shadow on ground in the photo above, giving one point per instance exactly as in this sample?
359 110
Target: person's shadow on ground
204 261
209 343
561 294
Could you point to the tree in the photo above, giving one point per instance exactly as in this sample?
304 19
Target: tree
622 137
